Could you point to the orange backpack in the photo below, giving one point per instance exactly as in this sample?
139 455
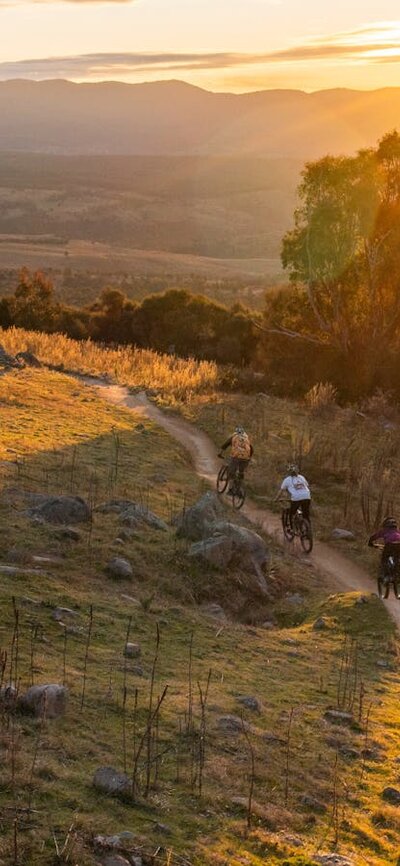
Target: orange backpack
241 446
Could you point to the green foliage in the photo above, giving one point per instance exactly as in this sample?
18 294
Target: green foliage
175 321
344 250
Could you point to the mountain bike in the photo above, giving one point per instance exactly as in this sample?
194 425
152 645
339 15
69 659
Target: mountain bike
229 475
300 528
389 571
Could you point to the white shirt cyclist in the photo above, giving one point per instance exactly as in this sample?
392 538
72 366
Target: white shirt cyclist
297 487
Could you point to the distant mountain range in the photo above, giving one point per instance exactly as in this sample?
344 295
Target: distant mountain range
174 118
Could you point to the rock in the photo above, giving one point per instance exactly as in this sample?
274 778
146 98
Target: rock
132 650
338 717
28 359
294 841
7 360
163 829
233 546
215 610
290 641
60 613
55 561
61 509
250 703
342 534
362 599
249 549
8 697
391 795
68 533
349 752
48 700
119 568
111 781
320 624
232 725
295 600
115 860
196 523
333 860
268 625
215 551
132 514
126 534
313 804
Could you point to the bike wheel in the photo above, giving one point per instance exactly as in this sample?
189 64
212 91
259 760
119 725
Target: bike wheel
287 529
306 539
222 479
383 586
238 497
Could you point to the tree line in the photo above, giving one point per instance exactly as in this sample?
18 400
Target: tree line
175 321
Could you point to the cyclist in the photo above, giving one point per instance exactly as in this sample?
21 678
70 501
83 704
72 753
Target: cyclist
241 453
297 488
389 535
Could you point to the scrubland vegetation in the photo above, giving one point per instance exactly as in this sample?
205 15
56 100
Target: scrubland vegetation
315 785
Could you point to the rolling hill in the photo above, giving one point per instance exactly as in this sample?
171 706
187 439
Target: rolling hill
174 118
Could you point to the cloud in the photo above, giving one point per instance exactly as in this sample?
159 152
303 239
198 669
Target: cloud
379 43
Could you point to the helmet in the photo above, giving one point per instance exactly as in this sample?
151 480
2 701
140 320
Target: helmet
239 430
390 523
293 469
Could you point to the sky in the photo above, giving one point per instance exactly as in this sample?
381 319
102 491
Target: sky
221 45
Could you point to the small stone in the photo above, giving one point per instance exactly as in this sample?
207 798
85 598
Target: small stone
126 534
268 625
250 702
214 610
115 860
362 599
119 568
132 650
313 804
290 641
48 700
391 795
349 752
382 663
60 613
119 541
343 534
68 533
333 860
232 724
338 717
320 624
163 829
296 600
110 781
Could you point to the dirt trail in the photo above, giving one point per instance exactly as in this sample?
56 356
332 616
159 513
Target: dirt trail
345 574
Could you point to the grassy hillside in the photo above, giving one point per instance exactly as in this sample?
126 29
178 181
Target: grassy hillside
316 785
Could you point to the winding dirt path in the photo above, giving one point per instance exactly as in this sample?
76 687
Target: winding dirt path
345 575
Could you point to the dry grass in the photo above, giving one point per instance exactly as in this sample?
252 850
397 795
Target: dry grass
140 368
290 667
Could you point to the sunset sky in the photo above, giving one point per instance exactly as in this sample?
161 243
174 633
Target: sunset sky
235 45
